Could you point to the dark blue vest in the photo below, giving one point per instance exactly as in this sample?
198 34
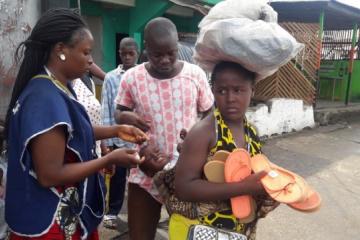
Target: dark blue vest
30 208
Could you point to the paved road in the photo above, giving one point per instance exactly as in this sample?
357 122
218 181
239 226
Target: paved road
329 159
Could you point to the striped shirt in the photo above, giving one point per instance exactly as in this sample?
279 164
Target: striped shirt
108 106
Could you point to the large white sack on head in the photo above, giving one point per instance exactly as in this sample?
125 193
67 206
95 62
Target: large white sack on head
252 9
258 46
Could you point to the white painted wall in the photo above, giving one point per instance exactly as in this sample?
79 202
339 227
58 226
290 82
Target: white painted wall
281 115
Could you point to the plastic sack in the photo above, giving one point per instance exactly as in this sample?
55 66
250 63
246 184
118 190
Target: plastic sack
258 46
251 9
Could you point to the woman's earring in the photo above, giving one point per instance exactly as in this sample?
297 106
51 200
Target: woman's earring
62 57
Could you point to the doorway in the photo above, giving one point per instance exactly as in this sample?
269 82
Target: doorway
119 37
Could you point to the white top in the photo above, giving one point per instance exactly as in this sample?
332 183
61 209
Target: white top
91 104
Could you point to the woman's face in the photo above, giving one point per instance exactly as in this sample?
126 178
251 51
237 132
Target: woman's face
232 94
78 55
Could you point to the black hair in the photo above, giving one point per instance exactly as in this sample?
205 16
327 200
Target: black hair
160 27
128 42
221 66
54 26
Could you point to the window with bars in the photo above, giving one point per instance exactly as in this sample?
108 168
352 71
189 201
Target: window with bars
336 45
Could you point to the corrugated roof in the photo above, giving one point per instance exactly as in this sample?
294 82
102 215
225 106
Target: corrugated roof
351 3
194 4
339 14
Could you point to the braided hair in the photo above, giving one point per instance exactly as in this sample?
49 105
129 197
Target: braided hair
54 26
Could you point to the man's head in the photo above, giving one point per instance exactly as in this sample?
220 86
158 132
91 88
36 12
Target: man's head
128 52
161 44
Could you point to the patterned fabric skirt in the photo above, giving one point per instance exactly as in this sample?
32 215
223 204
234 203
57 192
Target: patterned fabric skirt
56 233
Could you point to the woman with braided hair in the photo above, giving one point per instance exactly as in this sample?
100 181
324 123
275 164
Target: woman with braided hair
54 190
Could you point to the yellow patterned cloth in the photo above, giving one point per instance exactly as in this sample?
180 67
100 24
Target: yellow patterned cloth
179 225
225 140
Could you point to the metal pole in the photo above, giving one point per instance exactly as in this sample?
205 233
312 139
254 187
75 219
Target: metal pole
351 63
79 6
321 34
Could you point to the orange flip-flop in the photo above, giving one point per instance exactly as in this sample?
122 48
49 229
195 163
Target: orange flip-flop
237 167
260 162
280 184
214 171
298 179
221 155
311 202
252 215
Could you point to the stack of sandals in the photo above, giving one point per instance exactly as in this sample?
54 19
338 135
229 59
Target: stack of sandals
282 185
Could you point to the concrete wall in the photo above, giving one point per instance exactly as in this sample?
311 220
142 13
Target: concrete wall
96 28
280 116
17 18
112 21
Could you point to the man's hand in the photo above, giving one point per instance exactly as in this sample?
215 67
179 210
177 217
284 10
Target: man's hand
131 118
154 160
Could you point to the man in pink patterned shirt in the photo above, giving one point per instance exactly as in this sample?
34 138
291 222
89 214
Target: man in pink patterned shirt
162 97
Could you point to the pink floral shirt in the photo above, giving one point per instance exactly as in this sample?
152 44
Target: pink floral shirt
168 105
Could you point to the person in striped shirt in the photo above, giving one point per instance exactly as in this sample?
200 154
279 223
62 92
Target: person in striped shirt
128 52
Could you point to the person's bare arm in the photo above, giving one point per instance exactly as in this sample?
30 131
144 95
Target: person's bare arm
189 185
48 152
96 71
204 114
